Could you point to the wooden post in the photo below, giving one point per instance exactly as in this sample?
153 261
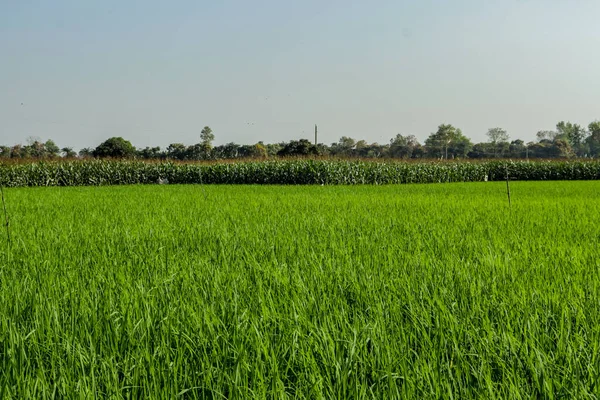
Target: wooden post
6 223
507 187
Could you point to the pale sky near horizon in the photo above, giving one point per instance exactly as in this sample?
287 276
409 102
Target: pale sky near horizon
155 72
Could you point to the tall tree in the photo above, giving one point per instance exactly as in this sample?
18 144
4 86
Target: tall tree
498 137
593 140
448 141
574 134
403 146
51 149
207 136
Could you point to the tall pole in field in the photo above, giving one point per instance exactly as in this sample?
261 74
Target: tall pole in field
316 134
7 224
507 185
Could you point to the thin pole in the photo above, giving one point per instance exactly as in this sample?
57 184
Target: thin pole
507 187
5 215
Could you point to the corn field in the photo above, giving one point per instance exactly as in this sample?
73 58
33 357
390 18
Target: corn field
288 172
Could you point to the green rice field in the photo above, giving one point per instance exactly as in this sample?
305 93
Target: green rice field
309 292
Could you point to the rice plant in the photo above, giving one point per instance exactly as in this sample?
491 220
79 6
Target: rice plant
396 291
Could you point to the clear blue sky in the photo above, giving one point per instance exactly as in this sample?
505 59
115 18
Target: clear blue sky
155 72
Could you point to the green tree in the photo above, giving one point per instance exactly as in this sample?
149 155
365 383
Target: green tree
204 150
176 151
460 145
51 150
198 151
300 147
575 134
481 150
4 152
150 153
593 140
562 148
542 149
403 146
546 135
498 138
86 152
274 148
344 146
360 147
518 149
448 141
259 150
68 152
207 136
227 151
115 147
19 151
373 150
35 149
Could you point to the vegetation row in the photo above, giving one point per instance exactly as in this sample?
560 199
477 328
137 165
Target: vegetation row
289 172
568 140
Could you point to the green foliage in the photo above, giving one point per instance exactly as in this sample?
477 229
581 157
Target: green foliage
404 291
177 151
344 147
4 152
497 135
34 149
115 147
68 152
498 141
574 136
51 150
404 146
593 140
448 142
207 137
149 153
287 172
300 147
86 152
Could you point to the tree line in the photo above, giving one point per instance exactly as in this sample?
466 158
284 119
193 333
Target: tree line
447 142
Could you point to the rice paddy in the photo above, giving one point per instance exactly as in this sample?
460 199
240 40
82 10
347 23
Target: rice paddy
400 291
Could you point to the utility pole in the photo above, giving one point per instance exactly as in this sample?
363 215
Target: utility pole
316 134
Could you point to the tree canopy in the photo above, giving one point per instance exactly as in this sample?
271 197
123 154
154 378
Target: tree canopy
447 142
115 147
